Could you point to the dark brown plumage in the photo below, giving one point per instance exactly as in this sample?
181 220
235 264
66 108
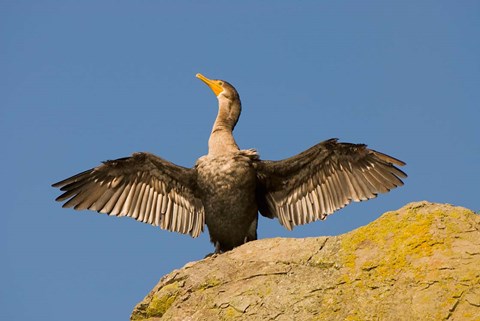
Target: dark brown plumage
228 187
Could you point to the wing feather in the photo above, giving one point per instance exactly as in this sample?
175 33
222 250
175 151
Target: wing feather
128 200
316 205
158 213
150 209
143 186
317 182
108 207
102 200
167 222
164 204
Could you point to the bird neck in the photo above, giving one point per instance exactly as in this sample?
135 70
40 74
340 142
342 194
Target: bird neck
221 139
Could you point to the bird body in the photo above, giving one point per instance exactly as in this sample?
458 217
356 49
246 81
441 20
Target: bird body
227 184
228 187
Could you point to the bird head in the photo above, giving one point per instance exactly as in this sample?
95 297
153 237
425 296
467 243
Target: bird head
220 88
229 103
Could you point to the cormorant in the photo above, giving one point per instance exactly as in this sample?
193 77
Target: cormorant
228 187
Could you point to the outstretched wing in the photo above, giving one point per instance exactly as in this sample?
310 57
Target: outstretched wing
317 182
143 186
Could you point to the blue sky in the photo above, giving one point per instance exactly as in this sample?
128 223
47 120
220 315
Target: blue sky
86 81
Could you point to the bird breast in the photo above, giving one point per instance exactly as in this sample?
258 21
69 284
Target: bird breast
228 174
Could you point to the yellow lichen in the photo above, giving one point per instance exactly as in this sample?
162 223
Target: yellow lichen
417 245
230 313
398 239
209 283
162 301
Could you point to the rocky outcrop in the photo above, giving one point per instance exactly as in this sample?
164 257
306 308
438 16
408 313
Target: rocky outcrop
421 262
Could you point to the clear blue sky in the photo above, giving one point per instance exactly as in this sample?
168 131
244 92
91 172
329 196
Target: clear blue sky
86 81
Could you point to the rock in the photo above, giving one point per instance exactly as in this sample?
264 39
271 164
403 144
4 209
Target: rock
421 262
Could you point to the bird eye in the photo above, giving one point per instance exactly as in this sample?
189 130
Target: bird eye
220 83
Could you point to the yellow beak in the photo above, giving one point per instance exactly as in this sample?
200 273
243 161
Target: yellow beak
214 85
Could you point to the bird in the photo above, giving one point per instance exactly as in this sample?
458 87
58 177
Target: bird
228 188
